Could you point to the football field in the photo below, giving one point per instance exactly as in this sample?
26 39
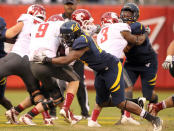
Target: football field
107 117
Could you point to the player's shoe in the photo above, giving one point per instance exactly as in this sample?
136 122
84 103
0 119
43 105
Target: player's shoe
79 117
27 119
128 120
152 109
12 116
53 117
157 124
141 102
68 115
48 122
92 123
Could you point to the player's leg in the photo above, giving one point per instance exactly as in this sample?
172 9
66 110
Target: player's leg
130 77
102 96
3 100
148 79
117 93
167 103
82 94
55 99
45 72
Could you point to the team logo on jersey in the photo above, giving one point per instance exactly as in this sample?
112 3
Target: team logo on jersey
75 27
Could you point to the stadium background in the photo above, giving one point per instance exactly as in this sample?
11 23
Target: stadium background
159 18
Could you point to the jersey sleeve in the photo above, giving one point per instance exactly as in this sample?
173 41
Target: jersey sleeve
137 28
80 43
23 17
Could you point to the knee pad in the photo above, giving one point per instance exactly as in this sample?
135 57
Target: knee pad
33 96
50 103
173 98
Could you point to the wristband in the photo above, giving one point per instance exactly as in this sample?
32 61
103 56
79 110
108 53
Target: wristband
47 60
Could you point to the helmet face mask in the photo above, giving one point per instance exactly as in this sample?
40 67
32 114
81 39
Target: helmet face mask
129 8
69 31
67 39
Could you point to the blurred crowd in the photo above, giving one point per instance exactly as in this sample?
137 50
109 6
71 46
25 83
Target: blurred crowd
141 2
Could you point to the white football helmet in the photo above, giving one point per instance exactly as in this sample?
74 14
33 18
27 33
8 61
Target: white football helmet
109 18
84 18
56 17
37 11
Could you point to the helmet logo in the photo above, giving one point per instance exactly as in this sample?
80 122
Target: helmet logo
75 27
80 16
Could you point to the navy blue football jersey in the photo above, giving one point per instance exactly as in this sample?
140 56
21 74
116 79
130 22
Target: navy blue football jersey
140 54
95 58
2 27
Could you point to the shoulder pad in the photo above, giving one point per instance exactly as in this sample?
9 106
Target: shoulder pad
80 42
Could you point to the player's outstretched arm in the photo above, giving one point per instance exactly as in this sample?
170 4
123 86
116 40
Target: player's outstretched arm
134 39
73 55
14 30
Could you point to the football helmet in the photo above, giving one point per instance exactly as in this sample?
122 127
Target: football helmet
56 17
37 11
84 18
69 31
109 18
132 7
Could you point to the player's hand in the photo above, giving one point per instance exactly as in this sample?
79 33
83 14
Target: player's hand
148 30
39 58
167 63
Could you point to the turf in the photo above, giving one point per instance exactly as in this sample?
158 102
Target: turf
107 117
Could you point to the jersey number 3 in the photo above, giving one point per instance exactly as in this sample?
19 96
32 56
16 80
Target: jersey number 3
42 30
104 33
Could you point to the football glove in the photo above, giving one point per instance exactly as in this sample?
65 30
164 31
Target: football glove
168 62
148 30
42 59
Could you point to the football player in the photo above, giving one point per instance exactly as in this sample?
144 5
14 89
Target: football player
141 60
113 39
45 40
17 62
82 95
169 102
3 100
108 80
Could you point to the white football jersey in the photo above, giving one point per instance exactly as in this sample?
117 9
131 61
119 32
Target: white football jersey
111 40
45 39
21 46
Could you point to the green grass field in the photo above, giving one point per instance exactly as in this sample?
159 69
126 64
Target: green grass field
107 117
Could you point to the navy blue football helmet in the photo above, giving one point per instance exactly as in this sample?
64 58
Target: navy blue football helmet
132 7
70 31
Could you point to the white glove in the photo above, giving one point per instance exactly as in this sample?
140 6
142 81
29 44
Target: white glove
38 58
148 30
168 62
